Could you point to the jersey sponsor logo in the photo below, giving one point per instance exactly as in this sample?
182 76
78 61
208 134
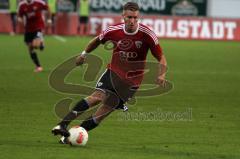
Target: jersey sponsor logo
124 44
124 55
138 44
31 14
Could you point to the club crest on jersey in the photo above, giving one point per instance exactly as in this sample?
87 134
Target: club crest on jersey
138 44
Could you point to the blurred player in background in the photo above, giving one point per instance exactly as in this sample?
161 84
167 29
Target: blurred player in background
30 12
83 11
13 13
123 75
53 7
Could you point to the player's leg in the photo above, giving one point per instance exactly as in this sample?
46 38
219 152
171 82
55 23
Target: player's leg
81 29
102 112
94 120
84 104
79 26
115 98
110 103
84 29
53 23
84 25
98 96
33 55
38 41
78 109
14 21
104 93
35 59
28 38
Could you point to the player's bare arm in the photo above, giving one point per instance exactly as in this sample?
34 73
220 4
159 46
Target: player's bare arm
19 18
93 44
162 68
49 17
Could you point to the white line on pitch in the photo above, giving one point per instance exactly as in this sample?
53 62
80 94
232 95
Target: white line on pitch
60 38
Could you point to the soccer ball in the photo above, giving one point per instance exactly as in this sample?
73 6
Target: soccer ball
78 136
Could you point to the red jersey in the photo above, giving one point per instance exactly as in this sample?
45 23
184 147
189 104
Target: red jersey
33 13
130 51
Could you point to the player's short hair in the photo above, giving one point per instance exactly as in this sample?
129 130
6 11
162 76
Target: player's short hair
131 6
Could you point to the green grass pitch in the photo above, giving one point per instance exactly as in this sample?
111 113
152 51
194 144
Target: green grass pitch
206 83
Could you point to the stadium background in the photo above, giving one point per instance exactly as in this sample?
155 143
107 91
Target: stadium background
197 119
213 24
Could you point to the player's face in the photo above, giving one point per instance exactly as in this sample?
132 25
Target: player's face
131 20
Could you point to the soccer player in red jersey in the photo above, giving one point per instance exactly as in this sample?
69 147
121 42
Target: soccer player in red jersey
30 12
123 75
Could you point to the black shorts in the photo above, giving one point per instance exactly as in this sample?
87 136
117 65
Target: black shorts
117 90
29 37
83 20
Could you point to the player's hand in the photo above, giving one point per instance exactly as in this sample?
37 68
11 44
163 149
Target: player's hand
19 19
49 22
80 60
161 81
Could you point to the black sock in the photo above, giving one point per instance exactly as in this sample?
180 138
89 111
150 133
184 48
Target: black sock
79 108
35 59
89 124
41 47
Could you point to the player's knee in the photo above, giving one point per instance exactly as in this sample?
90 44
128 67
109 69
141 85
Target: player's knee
104 111
36 43
93 100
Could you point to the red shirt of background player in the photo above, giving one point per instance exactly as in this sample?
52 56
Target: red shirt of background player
33 13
